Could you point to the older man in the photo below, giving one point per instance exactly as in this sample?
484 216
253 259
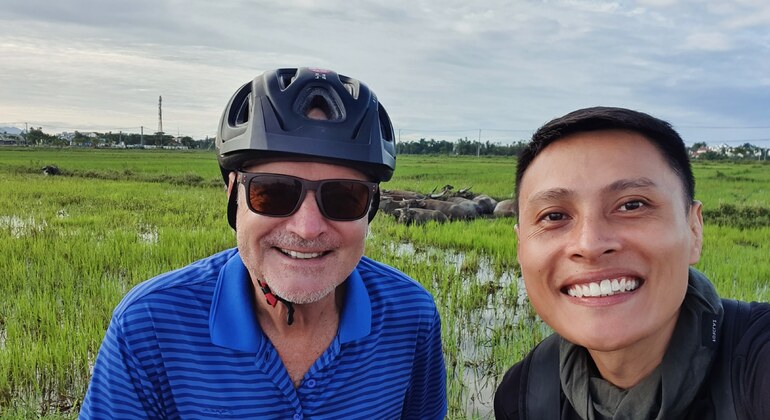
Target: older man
607 230
295 322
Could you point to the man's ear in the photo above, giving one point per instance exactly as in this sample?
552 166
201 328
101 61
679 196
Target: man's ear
695 220
230 183
518 239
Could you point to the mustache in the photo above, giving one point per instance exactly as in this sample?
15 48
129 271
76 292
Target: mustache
289 240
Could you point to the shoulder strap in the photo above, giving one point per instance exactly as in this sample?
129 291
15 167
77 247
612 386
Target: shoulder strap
543 387
723 388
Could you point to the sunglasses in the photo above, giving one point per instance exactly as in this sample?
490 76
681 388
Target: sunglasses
281 195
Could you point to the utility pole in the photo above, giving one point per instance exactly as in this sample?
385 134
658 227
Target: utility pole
160 114
141 137
160 121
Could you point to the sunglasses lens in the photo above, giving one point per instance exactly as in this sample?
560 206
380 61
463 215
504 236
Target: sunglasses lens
273 195
345 200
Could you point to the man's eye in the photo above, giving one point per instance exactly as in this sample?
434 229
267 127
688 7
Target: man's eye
631 205
553 217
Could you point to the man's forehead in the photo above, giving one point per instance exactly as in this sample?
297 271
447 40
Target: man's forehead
273 164
627 142
608 160
607 133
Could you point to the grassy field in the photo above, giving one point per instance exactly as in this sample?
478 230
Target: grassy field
72 245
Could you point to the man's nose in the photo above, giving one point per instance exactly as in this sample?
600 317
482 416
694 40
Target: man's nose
307 221
592 238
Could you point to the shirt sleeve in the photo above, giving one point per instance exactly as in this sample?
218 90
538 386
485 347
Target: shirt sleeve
426 396
119 387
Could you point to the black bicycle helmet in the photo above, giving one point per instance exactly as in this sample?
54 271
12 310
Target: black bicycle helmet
267 119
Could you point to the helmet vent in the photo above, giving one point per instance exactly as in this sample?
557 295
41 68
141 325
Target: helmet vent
385 125
240 107
321 99
351 85
242 116
286 77
352 90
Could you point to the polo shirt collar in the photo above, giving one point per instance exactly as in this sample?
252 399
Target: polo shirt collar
233 317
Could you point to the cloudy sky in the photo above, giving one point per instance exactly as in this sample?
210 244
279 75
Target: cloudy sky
444 69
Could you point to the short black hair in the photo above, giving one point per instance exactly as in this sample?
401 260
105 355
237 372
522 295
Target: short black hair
657 131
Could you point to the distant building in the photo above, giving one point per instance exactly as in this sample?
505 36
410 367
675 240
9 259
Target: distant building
700 152
10 136
11 131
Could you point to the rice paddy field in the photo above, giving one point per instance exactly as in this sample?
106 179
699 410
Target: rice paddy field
72 245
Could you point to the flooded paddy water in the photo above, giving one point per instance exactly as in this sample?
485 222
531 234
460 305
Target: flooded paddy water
486 319
19 226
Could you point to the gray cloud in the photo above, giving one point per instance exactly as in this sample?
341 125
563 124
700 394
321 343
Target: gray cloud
442 68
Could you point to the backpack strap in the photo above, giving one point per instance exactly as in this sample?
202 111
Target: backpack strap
542 389
723 386
542 386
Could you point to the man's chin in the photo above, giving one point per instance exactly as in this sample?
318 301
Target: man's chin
303 296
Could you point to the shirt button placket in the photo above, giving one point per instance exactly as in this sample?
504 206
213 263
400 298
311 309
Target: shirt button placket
310 383
297 416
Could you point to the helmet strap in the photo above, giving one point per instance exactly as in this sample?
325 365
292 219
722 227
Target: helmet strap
272 300
374 206
232 204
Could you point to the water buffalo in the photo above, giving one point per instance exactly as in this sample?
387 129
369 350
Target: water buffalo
400 195
505 208
418 216
464 193
51 170
486 203
389 205
451 210
445 191
470 205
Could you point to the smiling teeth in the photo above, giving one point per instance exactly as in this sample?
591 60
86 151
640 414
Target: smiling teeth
605 287
302 255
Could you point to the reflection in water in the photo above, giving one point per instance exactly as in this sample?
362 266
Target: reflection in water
477 329
20 227
148 234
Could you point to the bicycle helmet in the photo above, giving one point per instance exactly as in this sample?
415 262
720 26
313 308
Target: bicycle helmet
267 119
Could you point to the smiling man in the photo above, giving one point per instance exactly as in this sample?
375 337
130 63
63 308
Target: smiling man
295 322
607 230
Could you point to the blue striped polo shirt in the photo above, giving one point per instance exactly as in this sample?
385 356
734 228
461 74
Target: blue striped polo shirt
187 344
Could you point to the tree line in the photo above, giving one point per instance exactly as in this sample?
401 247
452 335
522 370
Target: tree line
459 147
467 147
462 146
36 136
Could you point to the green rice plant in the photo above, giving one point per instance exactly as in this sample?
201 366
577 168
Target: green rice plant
736 261
73 245
742 217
